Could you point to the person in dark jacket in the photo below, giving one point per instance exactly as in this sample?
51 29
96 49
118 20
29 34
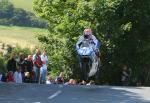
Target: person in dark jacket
21 64
29 68
4 79
11 64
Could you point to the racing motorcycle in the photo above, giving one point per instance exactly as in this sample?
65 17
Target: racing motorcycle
89 62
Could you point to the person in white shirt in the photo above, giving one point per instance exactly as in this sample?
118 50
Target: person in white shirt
43 71
18 76
50 80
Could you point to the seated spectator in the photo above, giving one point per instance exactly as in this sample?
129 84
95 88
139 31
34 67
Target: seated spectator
72 82
91 83
4 79
83 82
60 79
10 77
27 78
18 76
49 80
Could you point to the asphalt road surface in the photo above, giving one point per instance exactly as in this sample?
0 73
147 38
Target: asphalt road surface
35 93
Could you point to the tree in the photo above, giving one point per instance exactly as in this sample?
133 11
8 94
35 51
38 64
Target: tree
121 25
2 65
17 16
6 9
126 24
64 26
20 17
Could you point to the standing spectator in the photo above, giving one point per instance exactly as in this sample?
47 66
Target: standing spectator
21 64
1 77
125 75
44 59
11 64
37 64
18 76
29 67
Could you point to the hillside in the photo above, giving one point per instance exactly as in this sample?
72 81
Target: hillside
23 36
24 4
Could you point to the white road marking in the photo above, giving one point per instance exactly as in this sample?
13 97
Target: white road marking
61 86
55 94
20 99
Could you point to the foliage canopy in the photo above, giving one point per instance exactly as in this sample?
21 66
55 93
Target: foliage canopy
121 25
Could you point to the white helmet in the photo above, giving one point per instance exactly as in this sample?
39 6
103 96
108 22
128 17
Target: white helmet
87 33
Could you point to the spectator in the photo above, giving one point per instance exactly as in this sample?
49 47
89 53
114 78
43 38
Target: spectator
18 76
91 83
1 77
37 64
72 82
29 67
49 80
125 75
27 78
21 64
4 79
83 82
60 79
11 64
44 60
10 77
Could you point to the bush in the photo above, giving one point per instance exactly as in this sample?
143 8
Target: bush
36 22
20 17
2 65
17 50
5 22
6 9
17 16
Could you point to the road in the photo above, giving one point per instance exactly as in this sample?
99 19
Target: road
35 93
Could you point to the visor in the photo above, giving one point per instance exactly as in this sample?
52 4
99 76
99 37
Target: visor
86 36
